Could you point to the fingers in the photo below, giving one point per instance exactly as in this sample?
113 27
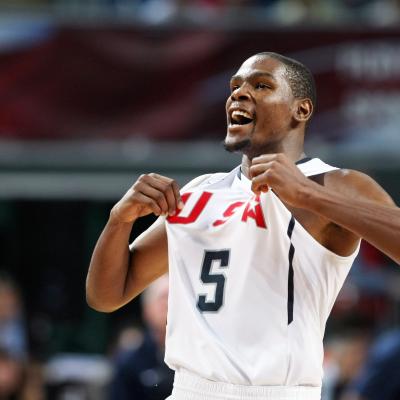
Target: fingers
266 158
275 171
175 189
259 184
261 171
259 177
149 203
151 197
265 162
160 193
258 169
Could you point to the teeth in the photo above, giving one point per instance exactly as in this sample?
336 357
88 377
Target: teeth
238 113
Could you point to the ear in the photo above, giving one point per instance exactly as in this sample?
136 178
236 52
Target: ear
303 111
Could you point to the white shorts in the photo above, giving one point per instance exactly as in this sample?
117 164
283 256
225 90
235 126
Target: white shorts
191 387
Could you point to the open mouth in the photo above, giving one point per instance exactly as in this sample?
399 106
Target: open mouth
239 117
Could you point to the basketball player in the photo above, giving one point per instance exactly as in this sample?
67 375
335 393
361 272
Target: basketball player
256 256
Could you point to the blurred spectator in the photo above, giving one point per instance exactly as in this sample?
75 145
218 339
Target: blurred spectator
13 337
379 379
345 353
141 372
34 388
77 377
11 376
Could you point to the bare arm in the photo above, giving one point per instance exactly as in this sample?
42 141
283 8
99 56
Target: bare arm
350 199
365 209
116 275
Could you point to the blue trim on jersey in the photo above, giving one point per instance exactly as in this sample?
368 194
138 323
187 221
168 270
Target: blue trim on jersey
303 160
290 303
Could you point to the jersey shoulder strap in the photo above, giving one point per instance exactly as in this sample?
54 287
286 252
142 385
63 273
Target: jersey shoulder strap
314 166
309 167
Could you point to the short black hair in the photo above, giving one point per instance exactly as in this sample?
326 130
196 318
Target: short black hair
300 78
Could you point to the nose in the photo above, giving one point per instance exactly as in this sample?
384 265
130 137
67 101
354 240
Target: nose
240 93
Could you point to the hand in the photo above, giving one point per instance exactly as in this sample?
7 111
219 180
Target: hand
151 193
277 172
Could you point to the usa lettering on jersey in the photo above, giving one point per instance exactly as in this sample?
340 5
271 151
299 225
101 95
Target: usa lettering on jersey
252 210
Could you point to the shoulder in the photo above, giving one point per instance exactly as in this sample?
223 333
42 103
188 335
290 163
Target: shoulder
356 184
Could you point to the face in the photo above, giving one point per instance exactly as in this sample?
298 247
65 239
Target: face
260 107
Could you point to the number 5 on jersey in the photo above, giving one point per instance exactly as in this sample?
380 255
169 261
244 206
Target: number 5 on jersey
221 256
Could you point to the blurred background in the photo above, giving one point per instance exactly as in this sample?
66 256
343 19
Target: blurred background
94 93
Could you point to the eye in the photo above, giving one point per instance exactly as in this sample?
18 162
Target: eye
262 85
234 87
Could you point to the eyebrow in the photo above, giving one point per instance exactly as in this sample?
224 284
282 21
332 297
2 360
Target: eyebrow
255 75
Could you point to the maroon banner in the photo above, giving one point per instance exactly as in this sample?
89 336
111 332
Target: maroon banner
172 84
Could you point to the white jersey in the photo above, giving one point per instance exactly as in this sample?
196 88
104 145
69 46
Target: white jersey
250 288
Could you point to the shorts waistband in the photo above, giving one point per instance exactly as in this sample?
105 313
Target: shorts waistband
188 386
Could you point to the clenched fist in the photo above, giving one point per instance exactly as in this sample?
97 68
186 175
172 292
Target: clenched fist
277 172
151 193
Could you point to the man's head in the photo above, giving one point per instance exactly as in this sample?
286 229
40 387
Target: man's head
272 99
